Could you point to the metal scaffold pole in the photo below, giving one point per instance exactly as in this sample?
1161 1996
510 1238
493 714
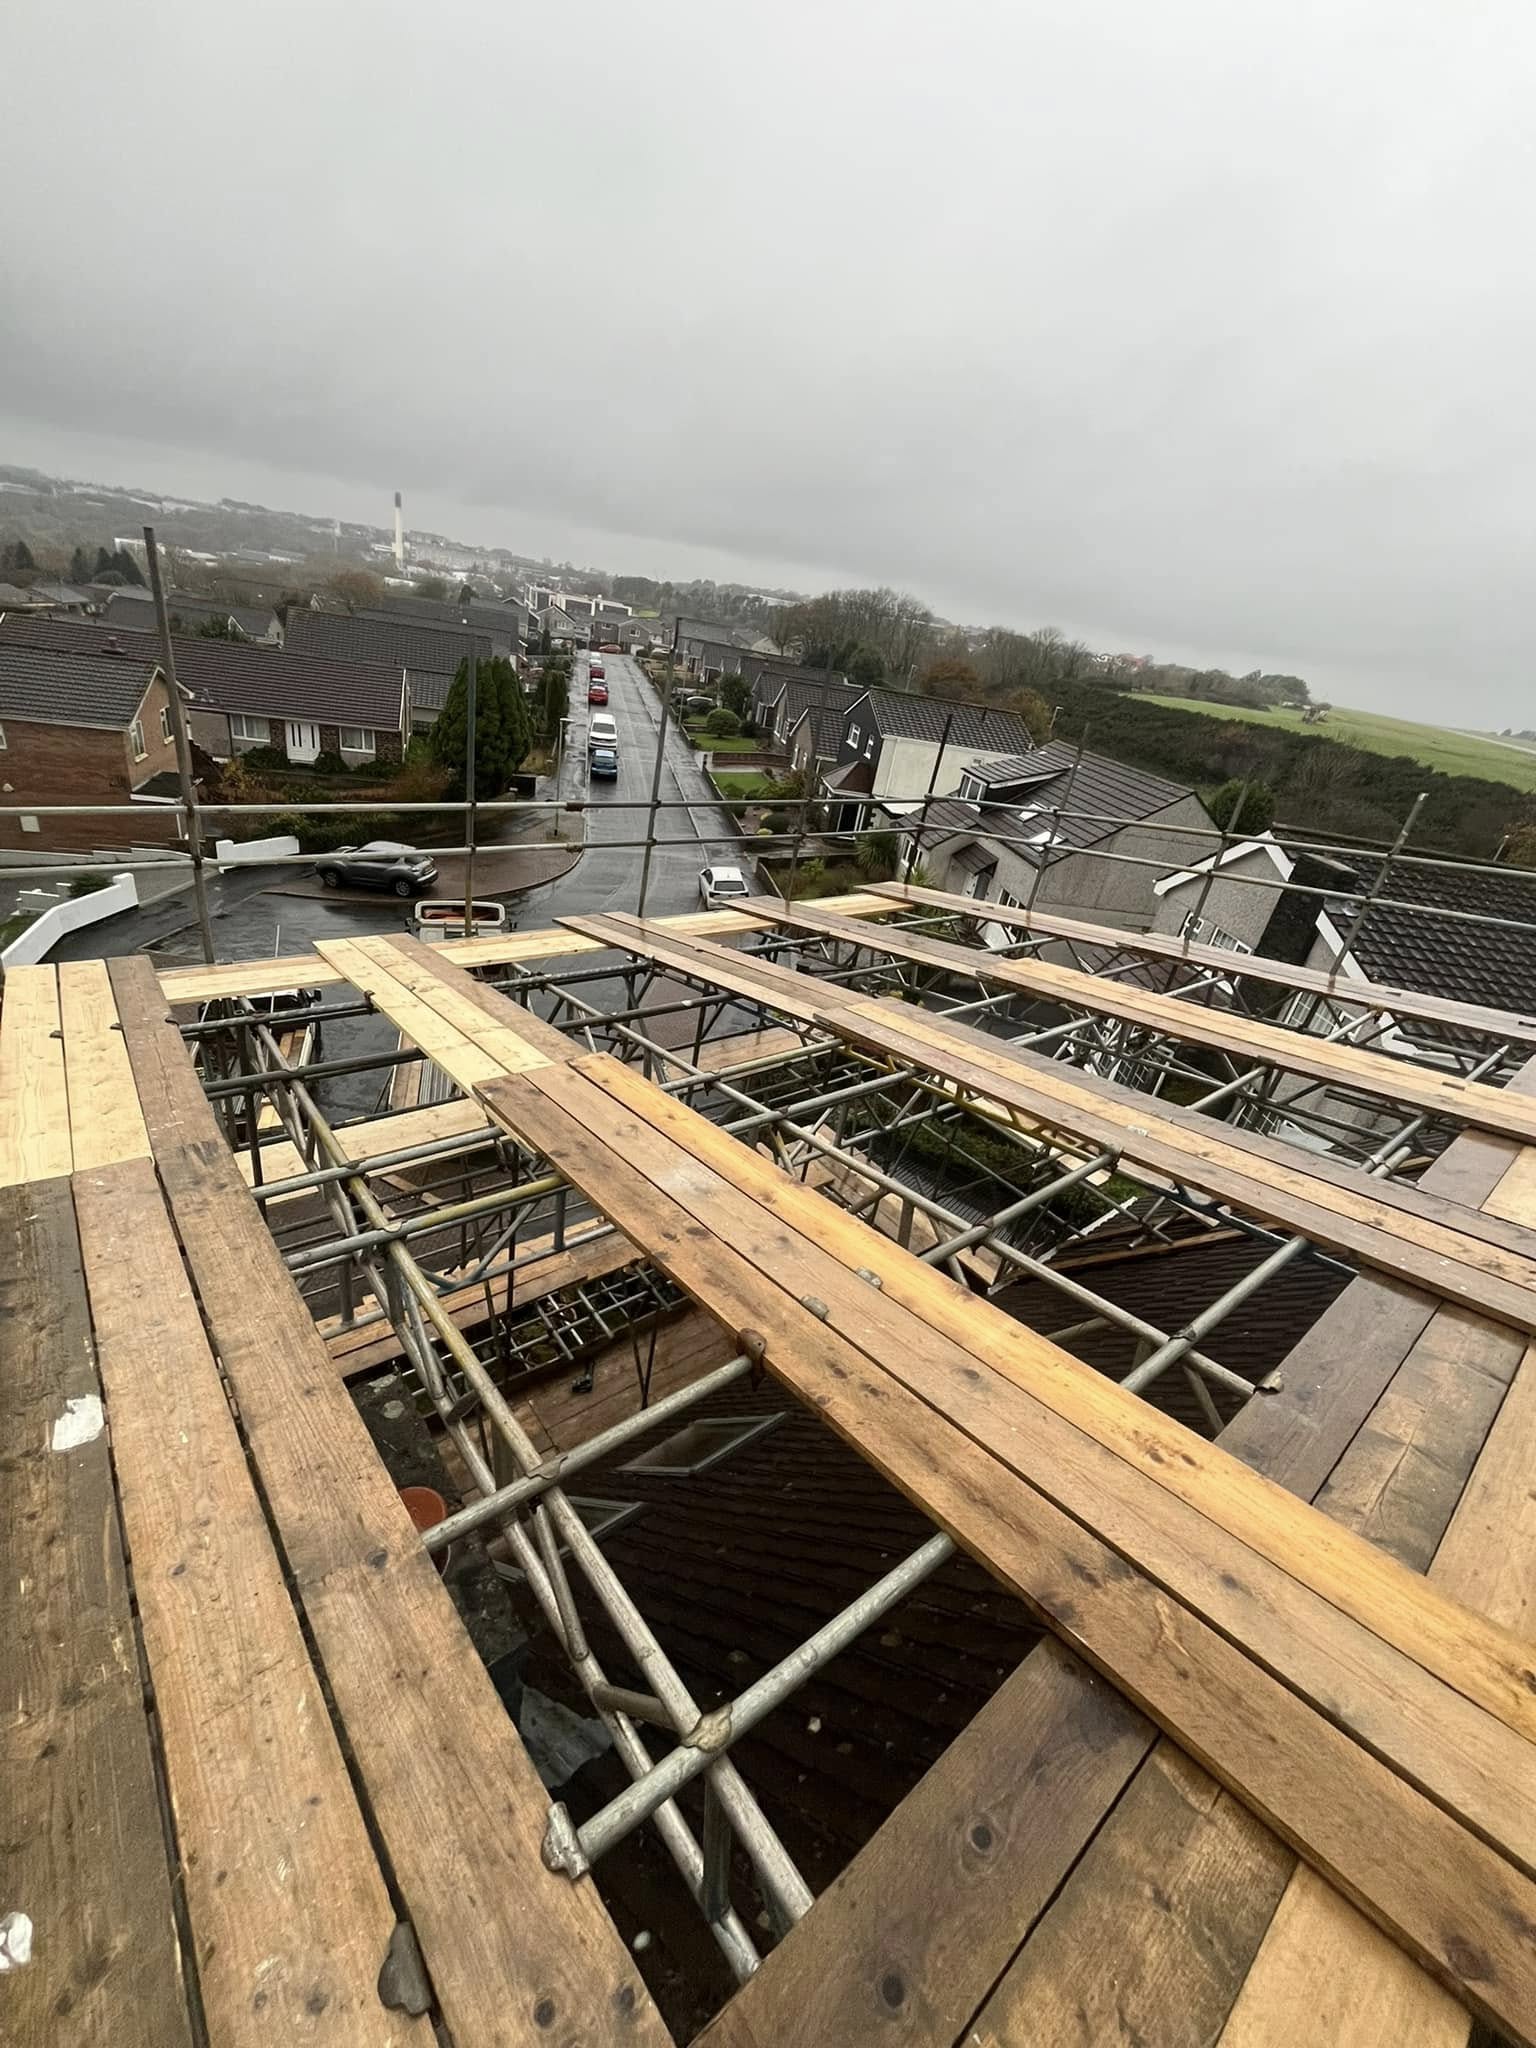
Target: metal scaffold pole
178 716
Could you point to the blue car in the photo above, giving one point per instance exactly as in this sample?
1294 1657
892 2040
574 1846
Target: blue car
605 765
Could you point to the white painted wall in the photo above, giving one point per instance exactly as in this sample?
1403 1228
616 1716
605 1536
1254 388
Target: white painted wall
232 853
75 912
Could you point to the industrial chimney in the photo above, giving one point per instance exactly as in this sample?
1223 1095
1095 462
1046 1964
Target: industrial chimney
399 536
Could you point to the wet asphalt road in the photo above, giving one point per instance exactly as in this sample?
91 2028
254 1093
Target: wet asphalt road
250 924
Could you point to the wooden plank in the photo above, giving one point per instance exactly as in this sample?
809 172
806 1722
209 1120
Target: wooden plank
1255 1735
444 1044
1397 1082
361 1351
904 1945
453 992
516 1953
733 972
202 984
1410 1234
1508 1025
371 1138
290 1915
83 1853
1153 1451
509 1044
105 1124
34 1101
1213 1877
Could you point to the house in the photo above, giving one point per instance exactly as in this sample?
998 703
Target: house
706 650
813 742
563 630
780 698
399 644
241 695
60 597
82 728
301 703
1079 833
900 747
135 613
505 626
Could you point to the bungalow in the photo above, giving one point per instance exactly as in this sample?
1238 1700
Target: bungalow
134 612
505 626
242 696
781 698
92 728
563 630
1082 834
375 637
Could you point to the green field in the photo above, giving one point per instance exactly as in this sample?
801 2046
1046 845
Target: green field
1453 753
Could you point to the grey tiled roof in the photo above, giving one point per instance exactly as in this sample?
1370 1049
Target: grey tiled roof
232 675
474 615
826 730
343 637
1444 956
906 714
134 615
55 687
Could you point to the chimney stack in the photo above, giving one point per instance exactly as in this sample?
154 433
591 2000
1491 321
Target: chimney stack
399 536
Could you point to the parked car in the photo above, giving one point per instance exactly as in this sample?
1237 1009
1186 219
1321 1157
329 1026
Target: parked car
597 693
595 671
381 864
602 732
718 885
605 764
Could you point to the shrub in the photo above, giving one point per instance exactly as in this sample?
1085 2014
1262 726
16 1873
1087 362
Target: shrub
87 885
722 724
258 759
875 856
329 763
778 821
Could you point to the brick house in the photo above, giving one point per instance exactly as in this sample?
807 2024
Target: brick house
82 729
241 696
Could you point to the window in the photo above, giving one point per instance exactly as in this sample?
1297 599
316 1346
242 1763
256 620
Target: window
869 746
136 740
600 1517
1206 932
165 723
243 728
854 735
700 1445
356 739
2 739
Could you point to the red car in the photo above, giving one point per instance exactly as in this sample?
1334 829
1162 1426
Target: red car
597 693
595 671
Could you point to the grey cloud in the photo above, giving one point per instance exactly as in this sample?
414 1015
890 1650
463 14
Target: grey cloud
1196 330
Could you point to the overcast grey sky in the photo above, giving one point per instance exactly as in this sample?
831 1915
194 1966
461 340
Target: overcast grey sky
1196 329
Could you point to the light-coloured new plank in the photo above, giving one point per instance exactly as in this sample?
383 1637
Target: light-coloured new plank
105 1122
201 984
444 1044
34 1101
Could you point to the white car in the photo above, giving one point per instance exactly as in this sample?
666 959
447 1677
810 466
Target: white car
718 885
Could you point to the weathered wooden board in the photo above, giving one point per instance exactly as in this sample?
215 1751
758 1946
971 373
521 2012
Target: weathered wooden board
290 1914
1395 1082
904 1946
1179 1674
83 1854
515 1952
1508 1026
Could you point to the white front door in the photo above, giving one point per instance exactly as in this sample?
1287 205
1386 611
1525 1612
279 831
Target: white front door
303 740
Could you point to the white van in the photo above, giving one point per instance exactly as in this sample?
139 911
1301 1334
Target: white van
602 732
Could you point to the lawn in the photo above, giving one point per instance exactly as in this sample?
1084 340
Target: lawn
744 782
1453 753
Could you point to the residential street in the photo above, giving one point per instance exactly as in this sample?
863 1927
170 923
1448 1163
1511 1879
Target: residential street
250 922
